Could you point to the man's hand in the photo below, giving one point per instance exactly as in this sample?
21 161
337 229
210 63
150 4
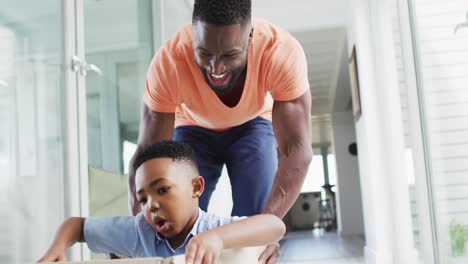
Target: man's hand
204 248
270 255
54 254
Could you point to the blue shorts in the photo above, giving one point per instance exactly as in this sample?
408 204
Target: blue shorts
249 152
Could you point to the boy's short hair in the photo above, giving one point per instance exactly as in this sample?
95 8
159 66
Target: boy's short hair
177 151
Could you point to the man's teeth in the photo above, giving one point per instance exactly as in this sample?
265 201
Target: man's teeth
218 76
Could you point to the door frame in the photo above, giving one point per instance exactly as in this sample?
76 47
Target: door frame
74 105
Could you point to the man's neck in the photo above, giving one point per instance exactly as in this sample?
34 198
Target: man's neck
232 99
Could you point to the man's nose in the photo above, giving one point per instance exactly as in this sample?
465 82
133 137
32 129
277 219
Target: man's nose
217 66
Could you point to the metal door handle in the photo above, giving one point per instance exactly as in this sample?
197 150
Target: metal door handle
81 66
461 25
91 67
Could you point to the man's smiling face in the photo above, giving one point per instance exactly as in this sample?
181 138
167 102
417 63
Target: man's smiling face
221 53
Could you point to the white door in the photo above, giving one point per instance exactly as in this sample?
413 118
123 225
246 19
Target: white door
115 42
114 51
39 149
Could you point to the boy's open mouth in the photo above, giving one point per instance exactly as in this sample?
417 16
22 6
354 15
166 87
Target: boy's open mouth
161 224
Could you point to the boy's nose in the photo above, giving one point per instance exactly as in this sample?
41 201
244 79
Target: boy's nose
153 205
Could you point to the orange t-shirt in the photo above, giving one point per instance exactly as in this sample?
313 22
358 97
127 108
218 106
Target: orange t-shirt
276 64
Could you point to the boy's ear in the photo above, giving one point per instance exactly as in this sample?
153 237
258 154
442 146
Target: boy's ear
198 185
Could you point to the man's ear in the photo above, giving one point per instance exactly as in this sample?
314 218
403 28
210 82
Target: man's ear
198 185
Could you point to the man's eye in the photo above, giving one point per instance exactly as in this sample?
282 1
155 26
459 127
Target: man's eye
230 55
142 201
163 190
204 54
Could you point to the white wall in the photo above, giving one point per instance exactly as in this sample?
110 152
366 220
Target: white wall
349 203
379 134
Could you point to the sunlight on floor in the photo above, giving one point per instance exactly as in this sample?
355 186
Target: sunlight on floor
321 247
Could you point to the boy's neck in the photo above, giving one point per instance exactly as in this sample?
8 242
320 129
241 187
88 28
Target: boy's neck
177 240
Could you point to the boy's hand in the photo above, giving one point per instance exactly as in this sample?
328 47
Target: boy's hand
204 248
54 254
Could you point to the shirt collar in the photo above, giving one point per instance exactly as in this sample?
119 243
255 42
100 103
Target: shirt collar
193 231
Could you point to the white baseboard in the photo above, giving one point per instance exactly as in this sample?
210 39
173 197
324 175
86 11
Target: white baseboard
345 234
386 257
370 255
377 257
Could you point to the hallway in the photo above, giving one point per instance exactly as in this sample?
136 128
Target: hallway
310 247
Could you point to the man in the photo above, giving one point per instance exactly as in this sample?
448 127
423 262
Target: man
220 81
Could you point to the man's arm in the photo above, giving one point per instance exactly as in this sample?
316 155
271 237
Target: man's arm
257 230
292 126
154 126
291 123
70 232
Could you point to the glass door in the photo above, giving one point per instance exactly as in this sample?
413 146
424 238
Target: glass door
116 40
36 117
440 36
118 47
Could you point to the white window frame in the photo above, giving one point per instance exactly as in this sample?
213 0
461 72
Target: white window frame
387 213
74 123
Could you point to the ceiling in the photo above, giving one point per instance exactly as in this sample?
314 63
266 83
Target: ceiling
324 50
320 27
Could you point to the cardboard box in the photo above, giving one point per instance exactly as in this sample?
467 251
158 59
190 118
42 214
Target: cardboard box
230 256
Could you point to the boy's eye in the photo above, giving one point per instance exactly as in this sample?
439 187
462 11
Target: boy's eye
163 190
142 201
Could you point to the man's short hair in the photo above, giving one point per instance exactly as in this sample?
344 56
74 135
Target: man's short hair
177 151
222 12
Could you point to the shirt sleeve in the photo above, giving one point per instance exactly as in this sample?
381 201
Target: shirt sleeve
288 70
160 95
117 235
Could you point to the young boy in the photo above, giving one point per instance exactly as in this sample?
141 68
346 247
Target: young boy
170 223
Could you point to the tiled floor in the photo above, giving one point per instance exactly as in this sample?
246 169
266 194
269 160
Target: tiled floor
324 248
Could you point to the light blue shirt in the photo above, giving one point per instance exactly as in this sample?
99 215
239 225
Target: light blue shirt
134 237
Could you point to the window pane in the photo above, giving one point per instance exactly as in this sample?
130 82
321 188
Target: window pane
31 139
443 69
121 46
